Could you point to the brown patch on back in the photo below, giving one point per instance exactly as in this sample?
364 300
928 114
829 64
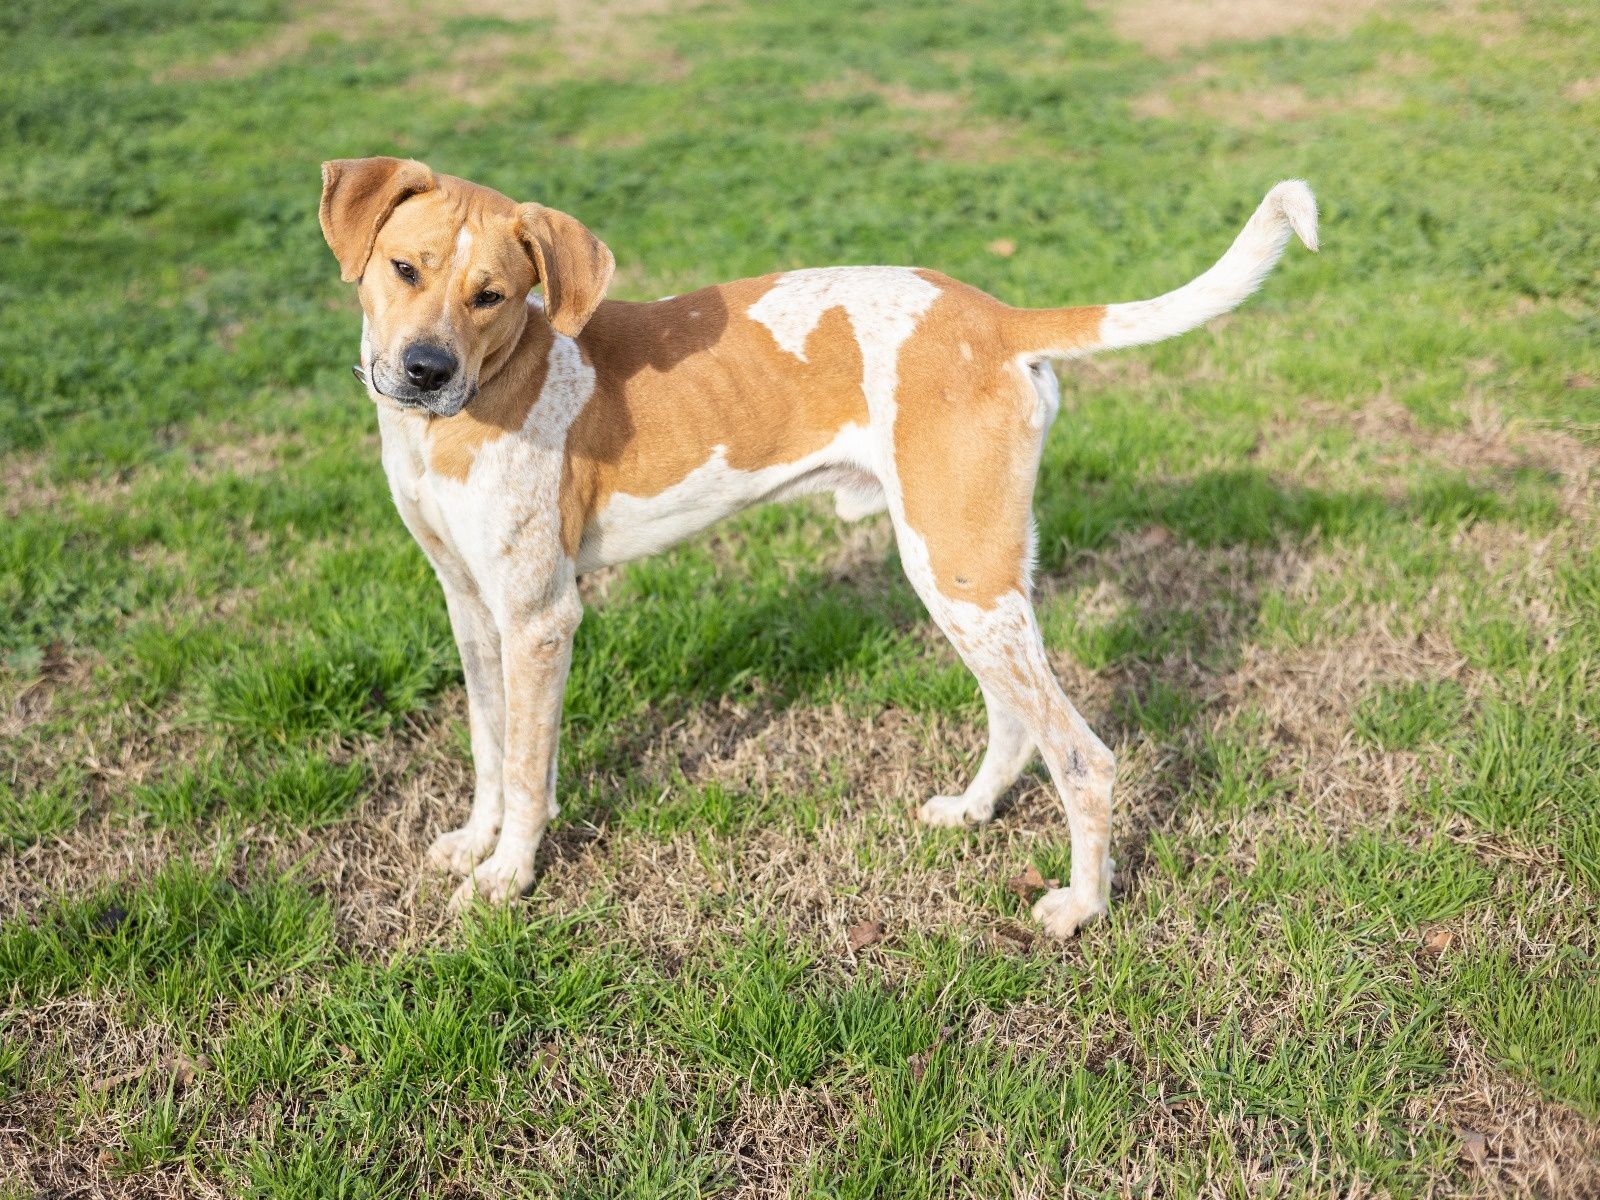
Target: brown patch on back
677 378
1048 330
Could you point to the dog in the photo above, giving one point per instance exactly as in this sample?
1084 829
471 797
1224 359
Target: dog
527 440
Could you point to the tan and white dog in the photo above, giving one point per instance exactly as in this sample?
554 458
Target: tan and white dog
527 442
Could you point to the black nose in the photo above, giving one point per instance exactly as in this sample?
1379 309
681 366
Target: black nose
428 368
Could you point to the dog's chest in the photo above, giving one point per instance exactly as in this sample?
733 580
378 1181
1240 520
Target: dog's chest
501 521
497 531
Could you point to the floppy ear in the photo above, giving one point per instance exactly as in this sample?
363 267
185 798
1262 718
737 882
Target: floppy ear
358 194
574 265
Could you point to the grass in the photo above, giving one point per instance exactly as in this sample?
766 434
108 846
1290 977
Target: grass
1321 573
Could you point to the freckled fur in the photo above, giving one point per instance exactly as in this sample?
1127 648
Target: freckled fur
597 431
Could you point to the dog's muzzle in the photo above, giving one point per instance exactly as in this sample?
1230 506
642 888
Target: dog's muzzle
444 403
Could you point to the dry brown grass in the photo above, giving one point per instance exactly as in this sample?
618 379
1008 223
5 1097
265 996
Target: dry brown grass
671 897
1248 108
26 484
1518 1142
1489 26
887 763
942 119
1394 443
864 860
1166 27
573 35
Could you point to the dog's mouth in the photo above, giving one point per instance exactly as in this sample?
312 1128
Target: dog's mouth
437 405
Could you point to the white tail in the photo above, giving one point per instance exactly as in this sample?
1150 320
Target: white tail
1288 206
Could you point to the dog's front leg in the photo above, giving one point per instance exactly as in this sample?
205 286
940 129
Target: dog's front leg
535 651
478 642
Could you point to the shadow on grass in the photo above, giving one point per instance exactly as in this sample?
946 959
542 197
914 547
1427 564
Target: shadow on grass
795 642
771 642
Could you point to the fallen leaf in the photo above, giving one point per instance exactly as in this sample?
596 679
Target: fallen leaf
112 1082
918 1062
1015 933
864 934
1029 882
1004 247
1474 1147
1438 941
1187 1109
1580 382
184 1069
549 1055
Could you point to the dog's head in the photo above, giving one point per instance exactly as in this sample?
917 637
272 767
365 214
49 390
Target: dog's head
444 269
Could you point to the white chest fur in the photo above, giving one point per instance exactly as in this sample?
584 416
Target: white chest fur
498 531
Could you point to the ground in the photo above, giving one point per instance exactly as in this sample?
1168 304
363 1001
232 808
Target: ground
1321 574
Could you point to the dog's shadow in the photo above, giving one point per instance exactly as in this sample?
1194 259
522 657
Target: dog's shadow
1198 555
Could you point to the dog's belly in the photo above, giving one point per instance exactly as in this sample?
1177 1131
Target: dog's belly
628 526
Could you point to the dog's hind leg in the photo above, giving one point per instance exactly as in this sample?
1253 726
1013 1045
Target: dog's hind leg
1002 646
1009 752
962 515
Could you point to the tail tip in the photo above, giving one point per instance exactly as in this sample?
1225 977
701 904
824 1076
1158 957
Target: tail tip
1296 202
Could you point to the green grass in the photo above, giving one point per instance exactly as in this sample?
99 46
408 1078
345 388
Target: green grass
1323 574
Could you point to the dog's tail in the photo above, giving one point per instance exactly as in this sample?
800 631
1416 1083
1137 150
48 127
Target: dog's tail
1073 332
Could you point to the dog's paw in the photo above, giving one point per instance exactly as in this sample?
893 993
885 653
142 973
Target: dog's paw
1063 913
460 850
495 880
952 812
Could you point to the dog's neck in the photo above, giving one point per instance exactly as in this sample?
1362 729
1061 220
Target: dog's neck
495 364
512 374
509 383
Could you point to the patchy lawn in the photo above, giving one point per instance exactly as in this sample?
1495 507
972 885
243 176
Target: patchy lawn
1322 574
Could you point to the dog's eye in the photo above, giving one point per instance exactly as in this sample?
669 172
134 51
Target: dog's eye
486 299
405 270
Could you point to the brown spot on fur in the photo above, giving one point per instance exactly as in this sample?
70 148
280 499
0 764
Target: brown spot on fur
1057 330
964 439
